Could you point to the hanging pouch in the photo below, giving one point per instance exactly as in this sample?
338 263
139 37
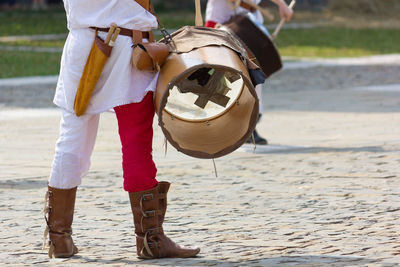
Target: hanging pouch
149 56
98 56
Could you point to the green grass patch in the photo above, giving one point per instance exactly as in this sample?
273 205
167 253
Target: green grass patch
317 42
175 20
21 64
338 42
36 43
55 21
30 23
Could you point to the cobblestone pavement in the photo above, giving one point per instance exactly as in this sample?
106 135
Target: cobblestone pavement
325 192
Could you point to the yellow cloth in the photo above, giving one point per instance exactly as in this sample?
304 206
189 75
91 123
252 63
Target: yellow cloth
98 56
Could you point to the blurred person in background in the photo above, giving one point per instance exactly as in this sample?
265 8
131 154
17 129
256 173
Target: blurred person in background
7 4
221 11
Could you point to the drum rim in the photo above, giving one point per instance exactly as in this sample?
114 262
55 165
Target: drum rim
202 154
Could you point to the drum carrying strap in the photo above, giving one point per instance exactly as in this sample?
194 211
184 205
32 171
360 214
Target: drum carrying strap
248 7
144 3
137 35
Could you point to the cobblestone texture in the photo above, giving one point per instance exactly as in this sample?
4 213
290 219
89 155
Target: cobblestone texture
325 192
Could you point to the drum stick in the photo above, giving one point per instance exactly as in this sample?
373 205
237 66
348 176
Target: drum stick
263 11
114 37
110 32
199 18
278 28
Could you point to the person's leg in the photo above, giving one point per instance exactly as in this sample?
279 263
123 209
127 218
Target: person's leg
210 24
257 138
71 162
147 196
73 149
135 128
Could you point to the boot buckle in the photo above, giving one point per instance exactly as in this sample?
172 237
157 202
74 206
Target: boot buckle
153 231
148 197
149 213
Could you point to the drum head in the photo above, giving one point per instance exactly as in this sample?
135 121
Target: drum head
192 99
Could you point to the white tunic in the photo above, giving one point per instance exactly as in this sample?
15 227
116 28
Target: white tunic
220 11
119 83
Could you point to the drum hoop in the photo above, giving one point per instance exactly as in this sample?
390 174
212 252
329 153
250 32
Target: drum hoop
223 152
183 75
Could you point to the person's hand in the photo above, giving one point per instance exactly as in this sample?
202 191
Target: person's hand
284 11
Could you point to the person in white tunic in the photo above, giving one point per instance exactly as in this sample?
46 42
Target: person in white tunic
130 93
221 11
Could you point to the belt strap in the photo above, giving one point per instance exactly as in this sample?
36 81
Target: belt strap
124 31
247 6
144 3
131 33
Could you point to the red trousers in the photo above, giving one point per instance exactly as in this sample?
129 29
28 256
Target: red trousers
135 127
210 24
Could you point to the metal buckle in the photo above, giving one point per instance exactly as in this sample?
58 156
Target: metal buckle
166 35
153 231
168 39
148 197
153 244
149 213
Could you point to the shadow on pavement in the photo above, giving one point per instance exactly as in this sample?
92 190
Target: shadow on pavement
269 149
24 183
306 260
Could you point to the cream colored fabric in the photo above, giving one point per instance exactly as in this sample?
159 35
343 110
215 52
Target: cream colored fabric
119 83
73 149
101 13
220 12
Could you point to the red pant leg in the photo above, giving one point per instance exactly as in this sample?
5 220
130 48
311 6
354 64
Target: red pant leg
135 127
210 24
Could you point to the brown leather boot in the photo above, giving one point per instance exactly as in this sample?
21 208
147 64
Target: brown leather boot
60 213
148 208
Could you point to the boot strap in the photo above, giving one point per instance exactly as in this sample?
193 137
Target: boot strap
148 214
146 251
154 231
46 233
147 248
46 211
51 249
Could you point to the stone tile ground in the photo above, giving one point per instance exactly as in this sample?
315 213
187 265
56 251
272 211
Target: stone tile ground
325 192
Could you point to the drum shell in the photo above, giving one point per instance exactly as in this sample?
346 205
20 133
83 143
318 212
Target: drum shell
260 47
216 136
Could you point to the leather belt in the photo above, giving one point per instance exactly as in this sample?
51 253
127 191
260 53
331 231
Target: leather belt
247 6
124 31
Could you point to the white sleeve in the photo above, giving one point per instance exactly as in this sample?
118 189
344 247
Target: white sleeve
101 13
218 11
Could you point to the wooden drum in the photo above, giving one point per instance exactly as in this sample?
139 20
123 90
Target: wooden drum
206 105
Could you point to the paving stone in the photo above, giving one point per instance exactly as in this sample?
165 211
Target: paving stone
324 193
